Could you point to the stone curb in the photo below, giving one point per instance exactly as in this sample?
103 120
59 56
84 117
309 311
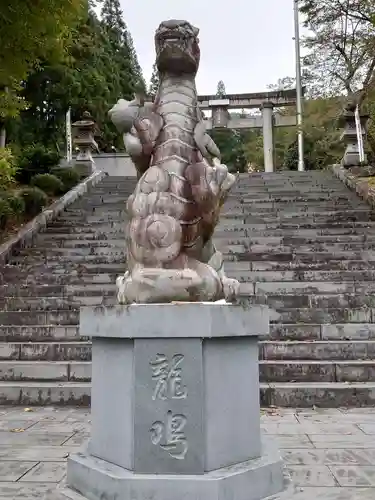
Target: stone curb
26 234
354 179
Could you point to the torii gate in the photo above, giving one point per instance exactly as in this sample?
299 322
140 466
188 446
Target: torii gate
265 101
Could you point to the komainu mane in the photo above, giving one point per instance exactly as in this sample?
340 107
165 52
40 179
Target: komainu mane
181 184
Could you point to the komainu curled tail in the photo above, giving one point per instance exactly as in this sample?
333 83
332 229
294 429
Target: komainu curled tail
182 184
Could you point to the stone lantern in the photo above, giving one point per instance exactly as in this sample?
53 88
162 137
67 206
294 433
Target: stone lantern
84 140
349 135
220 113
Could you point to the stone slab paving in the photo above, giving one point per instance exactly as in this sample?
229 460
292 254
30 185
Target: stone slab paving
330 453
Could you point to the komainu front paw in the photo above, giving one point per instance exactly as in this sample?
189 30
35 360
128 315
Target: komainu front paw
231 289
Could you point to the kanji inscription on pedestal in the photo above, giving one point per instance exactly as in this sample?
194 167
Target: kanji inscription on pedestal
168 406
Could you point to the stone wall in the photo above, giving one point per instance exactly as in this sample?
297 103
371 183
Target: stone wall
359 179
115 164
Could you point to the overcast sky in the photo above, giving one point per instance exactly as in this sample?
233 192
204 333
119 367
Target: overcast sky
246 43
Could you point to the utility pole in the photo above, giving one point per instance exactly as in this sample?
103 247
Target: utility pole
301 162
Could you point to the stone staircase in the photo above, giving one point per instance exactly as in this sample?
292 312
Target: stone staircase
302 242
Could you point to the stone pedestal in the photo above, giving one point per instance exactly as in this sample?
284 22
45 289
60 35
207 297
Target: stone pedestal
175 405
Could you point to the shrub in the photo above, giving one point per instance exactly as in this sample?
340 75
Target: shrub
35 200
8 168
35 160
15 202
48 183
5 213
68 176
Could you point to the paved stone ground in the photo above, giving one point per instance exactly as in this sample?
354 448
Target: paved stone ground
330 454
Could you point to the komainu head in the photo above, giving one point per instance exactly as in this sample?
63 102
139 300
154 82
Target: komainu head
177 47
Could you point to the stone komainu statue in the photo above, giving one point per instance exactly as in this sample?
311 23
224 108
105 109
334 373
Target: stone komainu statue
181 184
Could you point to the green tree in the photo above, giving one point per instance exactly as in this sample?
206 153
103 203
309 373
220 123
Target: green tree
341 46
28 35
230 142
140 84
220 90
96 74
154 82
124 51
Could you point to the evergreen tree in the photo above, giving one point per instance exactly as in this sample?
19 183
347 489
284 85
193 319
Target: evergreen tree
220 91
112 18
137 70
154 82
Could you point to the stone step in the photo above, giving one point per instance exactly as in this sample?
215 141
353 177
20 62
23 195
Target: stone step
318 350
323 394
309 287
45 393
61 291
248 213
74 270
22 277
283 394
75 371
69 317
302 265
62 317
312 301
78 266
231 233
268 350
317 371
46 241
283 332
343 331
325 227
40 333
308 316
106 295
223 240
231 252
56 303
316 292
270 371
91 251
69 226
301 275
298 218
46 351
305 255
248 288
70 259
278 332
258 208
242 196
